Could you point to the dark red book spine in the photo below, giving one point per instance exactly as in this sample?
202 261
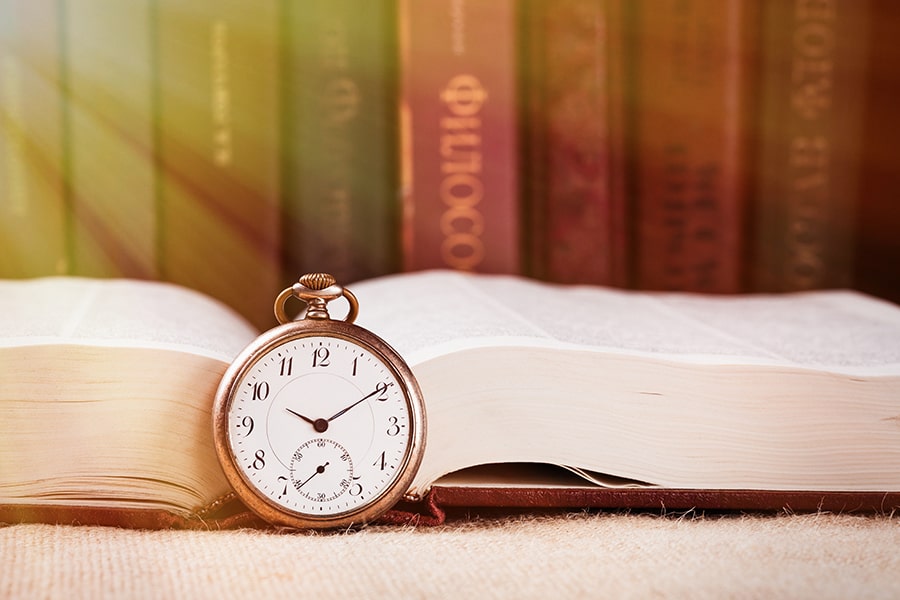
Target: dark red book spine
459 135
691 96
573 84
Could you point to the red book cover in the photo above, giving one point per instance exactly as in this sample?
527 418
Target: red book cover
445 497
573 80
691 94
459 142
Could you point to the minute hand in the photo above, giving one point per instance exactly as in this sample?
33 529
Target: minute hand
377 390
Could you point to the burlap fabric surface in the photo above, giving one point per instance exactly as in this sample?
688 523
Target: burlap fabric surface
549 556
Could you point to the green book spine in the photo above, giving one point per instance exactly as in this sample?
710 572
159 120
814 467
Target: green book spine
217 125
110 138
32 200
341 174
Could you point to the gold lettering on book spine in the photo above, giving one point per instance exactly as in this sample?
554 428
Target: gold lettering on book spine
462 187
809 161
220 63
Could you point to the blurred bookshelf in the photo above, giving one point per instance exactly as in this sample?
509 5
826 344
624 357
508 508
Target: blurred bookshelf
229 145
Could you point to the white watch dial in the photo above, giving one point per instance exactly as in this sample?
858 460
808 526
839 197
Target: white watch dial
319 425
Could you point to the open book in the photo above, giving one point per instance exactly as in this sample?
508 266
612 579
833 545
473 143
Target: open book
651 399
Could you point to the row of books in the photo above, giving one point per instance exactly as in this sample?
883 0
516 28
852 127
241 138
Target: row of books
729 135
230 145
217 144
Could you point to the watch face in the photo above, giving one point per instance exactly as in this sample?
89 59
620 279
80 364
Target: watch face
321 426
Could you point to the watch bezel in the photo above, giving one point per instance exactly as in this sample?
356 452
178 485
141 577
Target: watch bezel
259 502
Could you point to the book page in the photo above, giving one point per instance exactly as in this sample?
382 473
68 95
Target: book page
427 314
118 312
423 312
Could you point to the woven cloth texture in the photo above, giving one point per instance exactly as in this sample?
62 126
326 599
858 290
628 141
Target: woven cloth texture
550 556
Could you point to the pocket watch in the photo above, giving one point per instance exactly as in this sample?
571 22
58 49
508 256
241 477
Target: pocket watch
319 422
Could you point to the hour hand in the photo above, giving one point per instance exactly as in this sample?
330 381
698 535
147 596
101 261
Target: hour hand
304 417
320 425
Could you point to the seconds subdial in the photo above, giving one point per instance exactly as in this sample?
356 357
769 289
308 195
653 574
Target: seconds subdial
321 470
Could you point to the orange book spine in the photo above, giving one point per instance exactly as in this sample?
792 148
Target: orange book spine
813 69
691 96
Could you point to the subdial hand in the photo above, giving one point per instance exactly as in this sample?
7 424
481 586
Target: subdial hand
379 389
319 470
319 425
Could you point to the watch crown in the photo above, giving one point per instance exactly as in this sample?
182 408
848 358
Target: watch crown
317 281
316 290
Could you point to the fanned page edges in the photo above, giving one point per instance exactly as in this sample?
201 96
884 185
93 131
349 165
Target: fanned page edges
122 377
225 513
538 373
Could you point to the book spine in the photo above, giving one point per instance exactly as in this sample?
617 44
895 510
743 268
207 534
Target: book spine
33 219
573 81
217 120
341 176
444 497
876 251
813 66
689 142
110 138
459 141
